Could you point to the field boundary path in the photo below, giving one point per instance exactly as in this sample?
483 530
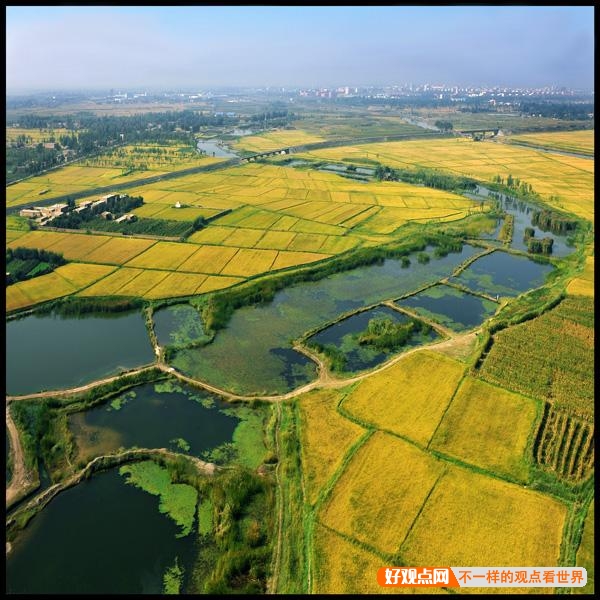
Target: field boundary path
21 480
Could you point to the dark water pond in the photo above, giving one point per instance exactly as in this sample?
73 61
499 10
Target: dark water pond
178 325
49 352
344 336
155 415
451 307
102 536
254 353
503 274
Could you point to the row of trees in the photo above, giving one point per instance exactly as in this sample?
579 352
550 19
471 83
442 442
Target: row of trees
26 263
536 246
549 220
427 177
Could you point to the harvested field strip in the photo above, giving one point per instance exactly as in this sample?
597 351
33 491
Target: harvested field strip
410 397
359 508
498 523
563 444
163 255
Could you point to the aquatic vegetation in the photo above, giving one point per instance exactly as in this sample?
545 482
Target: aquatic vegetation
177 500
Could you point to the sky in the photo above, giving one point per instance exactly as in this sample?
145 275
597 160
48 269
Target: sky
198 47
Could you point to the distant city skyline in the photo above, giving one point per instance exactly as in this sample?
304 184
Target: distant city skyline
103 47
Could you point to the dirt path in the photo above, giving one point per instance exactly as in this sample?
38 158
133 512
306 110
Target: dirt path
82 388
20 480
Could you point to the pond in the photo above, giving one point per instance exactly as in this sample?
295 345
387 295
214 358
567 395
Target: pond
523 212
213 148
254 354
49 352
178 325
164 414
344 336
451 307
102 536
503 274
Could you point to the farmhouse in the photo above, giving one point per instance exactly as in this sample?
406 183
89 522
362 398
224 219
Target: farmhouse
126 218
31 213
98 203
47 212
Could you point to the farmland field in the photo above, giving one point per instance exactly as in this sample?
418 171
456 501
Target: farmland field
570 141
488 427
404 478
465 452
565 182
325 437
408 398
583 285
530 358
106 169
63 281
498 523
343 567
274 140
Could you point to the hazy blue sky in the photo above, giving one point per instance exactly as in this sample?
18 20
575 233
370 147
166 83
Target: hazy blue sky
197 47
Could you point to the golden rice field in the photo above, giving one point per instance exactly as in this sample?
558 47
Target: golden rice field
81 177
569 178
570 141
475 520
274 140
343 567
63 281
583 285
325 438
408 398
381 491
277 198
489 427
85 248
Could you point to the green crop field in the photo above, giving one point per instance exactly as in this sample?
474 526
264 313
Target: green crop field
530 358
